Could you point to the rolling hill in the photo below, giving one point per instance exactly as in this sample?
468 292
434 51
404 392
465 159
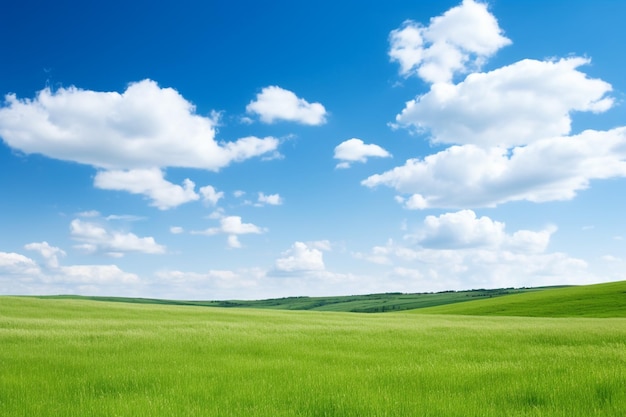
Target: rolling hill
598 300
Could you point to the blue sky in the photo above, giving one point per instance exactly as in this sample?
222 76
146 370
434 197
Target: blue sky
240 150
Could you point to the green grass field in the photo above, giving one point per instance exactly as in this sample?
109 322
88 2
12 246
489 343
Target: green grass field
600 300
87 358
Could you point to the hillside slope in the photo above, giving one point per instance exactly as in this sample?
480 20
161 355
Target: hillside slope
598 300
372 303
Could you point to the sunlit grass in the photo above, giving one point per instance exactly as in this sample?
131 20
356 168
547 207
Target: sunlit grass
83 358
599 300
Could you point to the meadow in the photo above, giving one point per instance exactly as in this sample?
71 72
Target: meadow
93 358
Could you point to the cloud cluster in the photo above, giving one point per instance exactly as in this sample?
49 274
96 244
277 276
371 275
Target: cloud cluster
94 237
20 274
274 104
460 250
509 128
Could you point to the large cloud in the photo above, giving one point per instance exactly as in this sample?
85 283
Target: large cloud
274 103
513 105
546 170
144 127
461 39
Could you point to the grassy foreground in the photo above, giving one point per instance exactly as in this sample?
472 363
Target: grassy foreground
85 358
599 300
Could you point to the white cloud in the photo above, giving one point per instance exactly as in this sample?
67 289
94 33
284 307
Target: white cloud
460 251
90 213
300 258
12 264
150 183
94 237
176 230
463 229
146 126
460 230
274 103
461 39
21 275
547 170
272 199
233 242
210 195
124 217
49 253
354 150
514 105
478 266
95 275
231 226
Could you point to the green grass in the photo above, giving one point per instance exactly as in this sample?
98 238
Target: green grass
372 303
85 358
599 300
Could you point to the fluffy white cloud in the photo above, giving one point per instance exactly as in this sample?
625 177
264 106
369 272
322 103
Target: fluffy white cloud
150 183
514 105
459 230
211 195
94 237
49 253
355 150
546 170
300 258
145 126
272 199
461 39
463 229
274 103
